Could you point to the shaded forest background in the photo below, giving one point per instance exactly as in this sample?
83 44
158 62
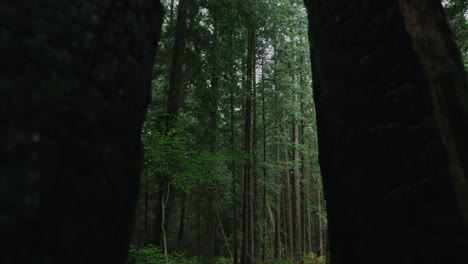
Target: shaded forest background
231 161
230 144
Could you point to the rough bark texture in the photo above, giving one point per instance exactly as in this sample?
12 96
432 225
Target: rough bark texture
386 170
74 87
443 65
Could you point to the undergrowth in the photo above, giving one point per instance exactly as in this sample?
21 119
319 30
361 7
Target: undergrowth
154 255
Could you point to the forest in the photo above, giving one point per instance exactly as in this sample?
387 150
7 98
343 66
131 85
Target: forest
231 157
230 168
234 131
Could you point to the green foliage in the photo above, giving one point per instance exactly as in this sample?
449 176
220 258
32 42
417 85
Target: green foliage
170 154
457 14
203 156
281 261
182 258
153 255
145 255
312 258
222 260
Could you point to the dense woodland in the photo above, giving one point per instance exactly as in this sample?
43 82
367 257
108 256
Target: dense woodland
234 131
231 157
230 138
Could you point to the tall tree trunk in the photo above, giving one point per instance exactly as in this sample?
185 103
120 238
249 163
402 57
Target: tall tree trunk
233 182
308 198
183 203
255 180
157 209
448 81
392 131
71 121
174 99
247 253
297 187
212 133
176 80
169 34
289 200
278 195
319 210
171 13
146 222
264 169
163 224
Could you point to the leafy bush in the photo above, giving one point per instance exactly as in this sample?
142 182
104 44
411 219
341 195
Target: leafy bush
182 258
222 260
282 261
152 254
147 255
171 154
311 258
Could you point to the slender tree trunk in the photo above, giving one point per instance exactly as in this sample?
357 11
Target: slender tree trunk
308 198
168 35
224 235
305 224
210 227
255 180
212 134
171 13
174 100
297 187
145 232
157 209
163 224
289 200
286 233
319 209
247 253
278 195
199 213
183 203
174 90
264 170
233 182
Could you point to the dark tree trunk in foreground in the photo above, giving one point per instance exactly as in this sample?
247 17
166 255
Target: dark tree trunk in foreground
73 100
392 123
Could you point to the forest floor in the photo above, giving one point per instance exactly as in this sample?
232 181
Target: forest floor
154 255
